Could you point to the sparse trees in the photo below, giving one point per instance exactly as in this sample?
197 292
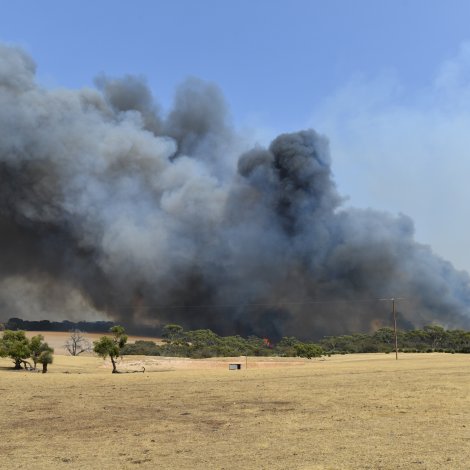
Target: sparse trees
111 346
77 344
19 348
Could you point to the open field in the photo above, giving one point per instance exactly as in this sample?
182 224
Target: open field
358 411
57 339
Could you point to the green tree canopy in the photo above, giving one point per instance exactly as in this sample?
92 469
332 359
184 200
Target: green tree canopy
172 333
15 345
111 346
308 350
37 347
45 358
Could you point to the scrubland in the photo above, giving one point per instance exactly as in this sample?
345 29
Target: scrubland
344 412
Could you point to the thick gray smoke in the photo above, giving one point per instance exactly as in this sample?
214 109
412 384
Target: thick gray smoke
107 205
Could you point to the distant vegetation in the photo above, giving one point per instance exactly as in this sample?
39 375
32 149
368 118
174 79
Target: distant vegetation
206 343
46 325
431 338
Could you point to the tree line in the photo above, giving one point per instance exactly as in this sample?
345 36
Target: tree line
204 343
65 325
431 338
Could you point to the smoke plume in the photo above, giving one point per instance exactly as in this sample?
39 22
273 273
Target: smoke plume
107 205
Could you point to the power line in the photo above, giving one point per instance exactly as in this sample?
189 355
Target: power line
264 304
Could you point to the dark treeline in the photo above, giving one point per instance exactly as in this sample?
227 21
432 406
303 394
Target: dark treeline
102 326
46 325
206 343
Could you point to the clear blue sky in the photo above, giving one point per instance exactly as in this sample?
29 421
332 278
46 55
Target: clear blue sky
383 79
272 58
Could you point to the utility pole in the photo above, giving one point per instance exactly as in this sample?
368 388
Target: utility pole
394 313
395 328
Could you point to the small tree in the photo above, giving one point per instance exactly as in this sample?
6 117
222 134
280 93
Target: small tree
385 335
308 350
37 346
77 344
111 346
15 345
172 333
286 346
436 334
45 358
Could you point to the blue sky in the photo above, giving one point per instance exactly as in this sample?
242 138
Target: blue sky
387 81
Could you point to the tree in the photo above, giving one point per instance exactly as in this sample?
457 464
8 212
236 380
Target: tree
111 346
172 333
286 346
329 342
46 358
15 345
385 335
37 347
308 350
77 344
436 334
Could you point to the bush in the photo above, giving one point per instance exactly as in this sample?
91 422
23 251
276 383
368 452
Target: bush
141 348
308 350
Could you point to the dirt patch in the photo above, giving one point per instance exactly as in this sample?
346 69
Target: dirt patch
172 363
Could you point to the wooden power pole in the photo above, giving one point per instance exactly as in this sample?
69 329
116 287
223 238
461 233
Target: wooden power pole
395 328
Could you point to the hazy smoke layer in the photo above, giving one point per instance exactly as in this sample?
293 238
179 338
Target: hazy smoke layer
154 219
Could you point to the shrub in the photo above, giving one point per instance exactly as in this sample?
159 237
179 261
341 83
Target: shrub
141 348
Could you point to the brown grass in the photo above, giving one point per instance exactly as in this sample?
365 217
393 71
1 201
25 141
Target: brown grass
57 339
345 412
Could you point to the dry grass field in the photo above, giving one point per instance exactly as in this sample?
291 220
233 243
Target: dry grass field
343 412
57 339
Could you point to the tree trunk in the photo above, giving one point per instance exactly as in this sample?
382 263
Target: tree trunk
44 367
17 364
114 364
